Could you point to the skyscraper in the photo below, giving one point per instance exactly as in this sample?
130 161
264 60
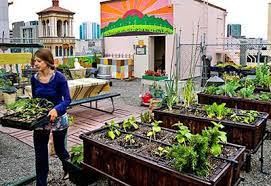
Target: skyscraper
4 27
234 30
89 30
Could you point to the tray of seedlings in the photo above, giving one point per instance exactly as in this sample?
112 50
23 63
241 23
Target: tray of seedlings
27 114
133 153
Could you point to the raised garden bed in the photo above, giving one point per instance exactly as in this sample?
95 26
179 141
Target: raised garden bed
137 165
236 102
249 135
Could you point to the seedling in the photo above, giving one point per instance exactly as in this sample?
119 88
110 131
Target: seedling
113 130
161 152
146 117
183 133
129 139
130 123
155 129
217 111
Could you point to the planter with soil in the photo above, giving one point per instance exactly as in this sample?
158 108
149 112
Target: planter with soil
236 102
196 119
136 164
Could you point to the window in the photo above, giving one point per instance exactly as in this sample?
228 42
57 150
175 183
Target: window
56 51
71 51
60 51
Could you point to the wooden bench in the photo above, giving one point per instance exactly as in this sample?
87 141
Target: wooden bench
96 98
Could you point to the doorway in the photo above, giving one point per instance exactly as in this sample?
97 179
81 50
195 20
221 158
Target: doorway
159 53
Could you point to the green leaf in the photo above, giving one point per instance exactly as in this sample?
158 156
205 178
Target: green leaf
149 133
216 149
111 134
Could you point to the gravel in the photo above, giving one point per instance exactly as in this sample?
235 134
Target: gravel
17 159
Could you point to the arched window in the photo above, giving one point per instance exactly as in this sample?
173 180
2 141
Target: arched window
59 28
43 28
68 51
71 50
48 27
60 51
56 51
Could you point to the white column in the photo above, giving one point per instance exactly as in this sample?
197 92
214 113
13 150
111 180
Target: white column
40 29
72 28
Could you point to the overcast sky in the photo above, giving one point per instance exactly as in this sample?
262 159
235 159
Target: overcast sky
252 14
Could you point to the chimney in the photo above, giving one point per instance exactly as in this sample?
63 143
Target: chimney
55 3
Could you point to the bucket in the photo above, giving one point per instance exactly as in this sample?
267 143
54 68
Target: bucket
78 73
9 98
104 72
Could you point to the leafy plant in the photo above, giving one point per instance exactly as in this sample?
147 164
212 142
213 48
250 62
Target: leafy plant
263 75
146 117
183 134
217 111
230 77
161 152
156 90
229 89
77 155
265 96
129 139
210 90
155 129
171 96
188 93
130 123
113 130
215 136
247 92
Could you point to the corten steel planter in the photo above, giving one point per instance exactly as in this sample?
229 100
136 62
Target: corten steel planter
260 89
235 102
249 135
133 169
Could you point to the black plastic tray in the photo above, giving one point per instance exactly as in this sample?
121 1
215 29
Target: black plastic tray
10 121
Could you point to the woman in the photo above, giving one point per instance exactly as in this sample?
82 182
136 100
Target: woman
51 85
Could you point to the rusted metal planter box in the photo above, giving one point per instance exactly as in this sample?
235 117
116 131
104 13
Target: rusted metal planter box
234 102
133 169
249 135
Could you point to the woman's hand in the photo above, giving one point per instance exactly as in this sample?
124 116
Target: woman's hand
53 115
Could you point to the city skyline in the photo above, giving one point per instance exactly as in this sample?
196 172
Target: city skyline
252 26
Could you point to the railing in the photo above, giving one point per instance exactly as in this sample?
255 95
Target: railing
21 40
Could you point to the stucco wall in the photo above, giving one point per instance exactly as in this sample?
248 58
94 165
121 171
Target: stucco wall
187 14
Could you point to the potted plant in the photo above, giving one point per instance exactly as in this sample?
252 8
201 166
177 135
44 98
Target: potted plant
75 168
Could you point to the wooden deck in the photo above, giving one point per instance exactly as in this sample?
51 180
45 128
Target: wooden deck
84 120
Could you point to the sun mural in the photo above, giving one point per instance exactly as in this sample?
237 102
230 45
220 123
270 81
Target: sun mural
130 17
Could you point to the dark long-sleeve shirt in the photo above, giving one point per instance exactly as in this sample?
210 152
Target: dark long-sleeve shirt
56 91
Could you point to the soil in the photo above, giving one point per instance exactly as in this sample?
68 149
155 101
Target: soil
145 148
198 111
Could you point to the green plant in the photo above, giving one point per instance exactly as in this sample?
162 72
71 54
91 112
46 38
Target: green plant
156 90
188 93
217 111
249 116
247 92
146 117
215 136
130 123
265 96
263 75
77 155
129 138
161 152
113 130
183 134
210 90
230 77
171 96
155 129
229 89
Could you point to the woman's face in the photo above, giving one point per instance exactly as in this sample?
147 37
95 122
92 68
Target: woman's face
40 64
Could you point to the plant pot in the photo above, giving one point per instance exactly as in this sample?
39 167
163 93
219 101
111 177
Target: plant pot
78 73
133 168
78 176
9 98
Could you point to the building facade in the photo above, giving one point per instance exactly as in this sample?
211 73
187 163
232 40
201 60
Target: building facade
4 21
155 50
89 31
29 32
234 30
16 27
56 30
